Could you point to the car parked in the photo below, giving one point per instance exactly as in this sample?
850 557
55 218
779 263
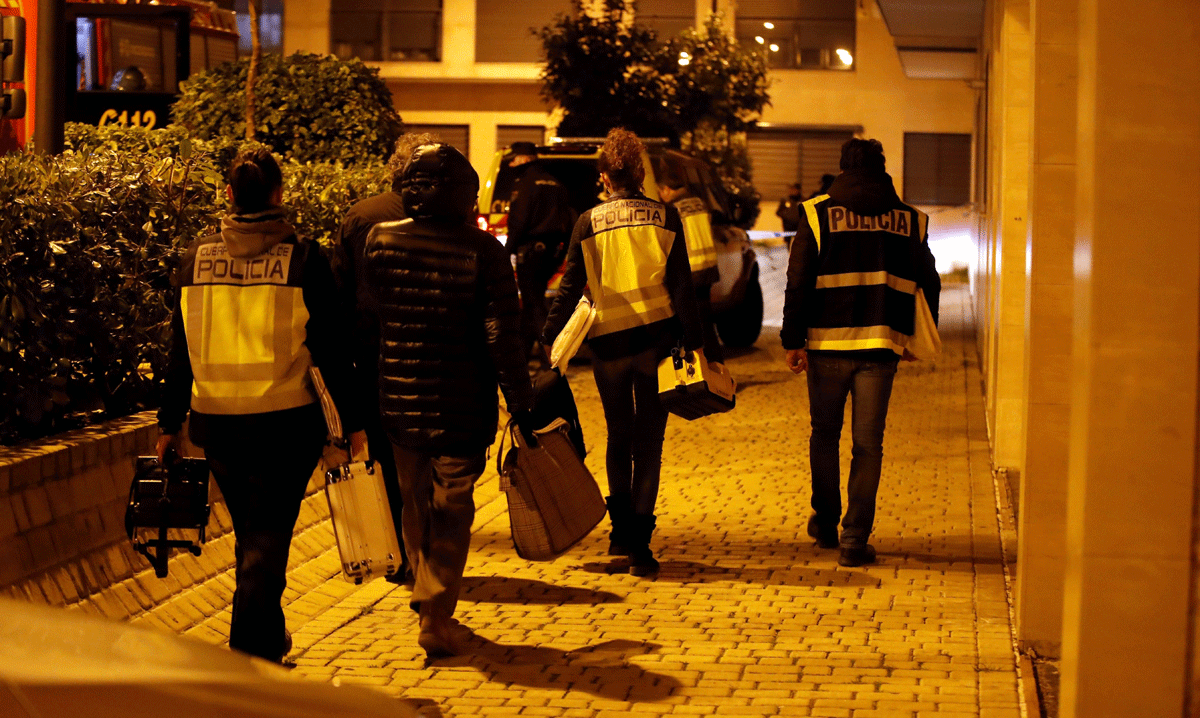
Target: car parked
736 298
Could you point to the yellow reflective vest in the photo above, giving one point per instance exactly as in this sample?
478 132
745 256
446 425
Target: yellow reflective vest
701 246
625 254
245 320
856 289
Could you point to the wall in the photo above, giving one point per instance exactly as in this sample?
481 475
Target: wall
1048 302
63 540
875 95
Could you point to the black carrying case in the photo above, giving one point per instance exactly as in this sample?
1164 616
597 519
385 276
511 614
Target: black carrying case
169 495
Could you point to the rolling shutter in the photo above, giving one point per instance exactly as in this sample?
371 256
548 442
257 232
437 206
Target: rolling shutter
780 157
775 162
820 155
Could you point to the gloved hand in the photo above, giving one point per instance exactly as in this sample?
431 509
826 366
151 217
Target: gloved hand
525 424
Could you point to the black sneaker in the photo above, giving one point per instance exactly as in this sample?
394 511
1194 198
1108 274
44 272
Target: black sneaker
826 538
857 555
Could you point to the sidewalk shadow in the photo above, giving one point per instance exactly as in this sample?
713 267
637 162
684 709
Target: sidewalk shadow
424 707
603 670
780 379
685 572
503 589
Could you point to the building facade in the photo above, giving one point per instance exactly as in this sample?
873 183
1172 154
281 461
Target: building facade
468 69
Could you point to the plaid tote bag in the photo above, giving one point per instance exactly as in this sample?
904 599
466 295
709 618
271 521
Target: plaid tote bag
553 500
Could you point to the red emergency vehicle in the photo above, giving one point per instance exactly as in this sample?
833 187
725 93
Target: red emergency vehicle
129 59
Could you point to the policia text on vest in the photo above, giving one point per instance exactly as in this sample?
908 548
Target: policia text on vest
215 266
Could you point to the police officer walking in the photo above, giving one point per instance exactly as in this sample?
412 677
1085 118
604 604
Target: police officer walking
702 253
629 254
258 308
856 264
540 219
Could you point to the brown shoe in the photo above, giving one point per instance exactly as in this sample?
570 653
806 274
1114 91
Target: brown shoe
437 639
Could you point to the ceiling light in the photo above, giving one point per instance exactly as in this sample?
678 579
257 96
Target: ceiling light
759 39
845 56
774 47
769 25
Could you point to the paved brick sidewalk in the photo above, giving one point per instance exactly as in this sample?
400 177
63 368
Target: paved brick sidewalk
746 617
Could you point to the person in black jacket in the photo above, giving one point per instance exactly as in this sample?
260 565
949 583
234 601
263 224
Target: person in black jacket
347 246
448 315
257 308
789 210
539 226
854 271
645 306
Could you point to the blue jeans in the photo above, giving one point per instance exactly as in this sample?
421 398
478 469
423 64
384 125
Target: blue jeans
869 383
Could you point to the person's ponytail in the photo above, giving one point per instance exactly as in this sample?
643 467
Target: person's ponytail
254 177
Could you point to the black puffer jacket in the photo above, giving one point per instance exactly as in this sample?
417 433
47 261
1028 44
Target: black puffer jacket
449 331
448 313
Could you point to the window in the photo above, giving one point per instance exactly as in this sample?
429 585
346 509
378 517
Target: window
506 135
937 168
668 18
804 34
457 136
270 26
387 30
502 35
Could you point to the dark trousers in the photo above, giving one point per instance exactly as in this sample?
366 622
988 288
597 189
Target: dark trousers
439 506
263 479
537 262
869 384
636 423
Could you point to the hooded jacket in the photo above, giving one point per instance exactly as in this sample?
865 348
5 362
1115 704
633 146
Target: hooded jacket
859 256
256 308
448 314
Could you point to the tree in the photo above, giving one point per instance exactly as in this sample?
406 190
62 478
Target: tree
716 80
701 88
310 108
252 72
720 89
603 72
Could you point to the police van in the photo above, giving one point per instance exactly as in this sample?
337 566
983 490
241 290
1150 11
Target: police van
737 298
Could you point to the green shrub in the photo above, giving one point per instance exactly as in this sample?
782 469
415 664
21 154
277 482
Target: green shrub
309 108
169 141
318 195
87 244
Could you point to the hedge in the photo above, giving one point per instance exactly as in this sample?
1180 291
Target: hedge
88 241
310 108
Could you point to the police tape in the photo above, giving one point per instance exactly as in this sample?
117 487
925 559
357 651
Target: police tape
769 238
